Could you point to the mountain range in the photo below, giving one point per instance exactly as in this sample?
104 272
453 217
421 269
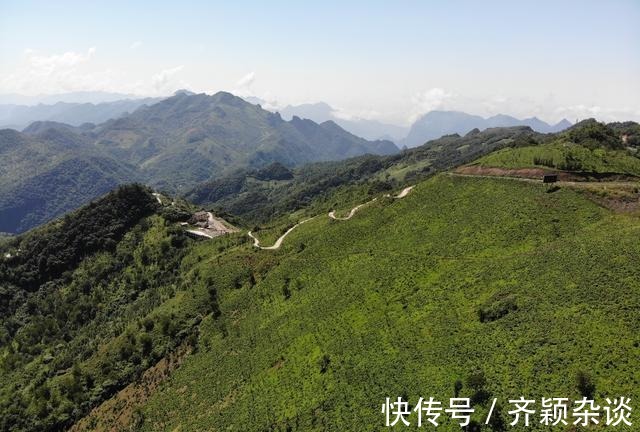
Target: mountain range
468 285
98 107
175 144
74 113
79 97
369 129
435 124
431 125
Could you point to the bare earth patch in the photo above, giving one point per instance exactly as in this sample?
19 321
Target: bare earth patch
205 224
477 170
119 412
538 173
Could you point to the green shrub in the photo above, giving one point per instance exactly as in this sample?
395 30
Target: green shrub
497 308
585 385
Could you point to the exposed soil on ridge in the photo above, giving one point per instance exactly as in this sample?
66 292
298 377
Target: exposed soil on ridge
120 412
538 173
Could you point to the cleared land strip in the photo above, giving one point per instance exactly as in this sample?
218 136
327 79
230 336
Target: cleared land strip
404 192
215 227
576 184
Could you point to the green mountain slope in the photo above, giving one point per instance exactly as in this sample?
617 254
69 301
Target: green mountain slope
258 196
568 157
187 139
463 275
172 145
113 319
50 171
588 147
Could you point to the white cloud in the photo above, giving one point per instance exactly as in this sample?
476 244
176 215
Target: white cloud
365 114
164 80
41 73
244 84
247 80
135 45
342 114
50 64
270 103
429 100
608 114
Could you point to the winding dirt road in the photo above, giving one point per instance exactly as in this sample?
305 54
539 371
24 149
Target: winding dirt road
332 215
404 192
278 242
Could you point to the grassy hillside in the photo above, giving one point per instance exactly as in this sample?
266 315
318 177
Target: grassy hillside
113 318
258 196
498 284
588 147
567 157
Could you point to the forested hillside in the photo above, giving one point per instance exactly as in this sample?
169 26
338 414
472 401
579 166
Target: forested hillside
172 145
257 196
479 288
112 318
72 296
49 171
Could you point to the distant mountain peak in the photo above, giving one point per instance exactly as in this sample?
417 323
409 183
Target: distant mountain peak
321 112
435 124
563 124
183 92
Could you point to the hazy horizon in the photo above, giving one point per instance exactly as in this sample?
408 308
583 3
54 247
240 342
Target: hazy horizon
391 63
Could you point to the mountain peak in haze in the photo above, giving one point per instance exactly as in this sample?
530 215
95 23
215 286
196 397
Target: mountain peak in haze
321 112
435 124
81 97
72 113
563 124
183 92
189 138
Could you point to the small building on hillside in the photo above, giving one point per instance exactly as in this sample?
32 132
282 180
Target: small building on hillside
549 178
200 219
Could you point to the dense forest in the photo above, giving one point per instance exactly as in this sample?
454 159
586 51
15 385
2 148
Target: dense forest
173 144
72 286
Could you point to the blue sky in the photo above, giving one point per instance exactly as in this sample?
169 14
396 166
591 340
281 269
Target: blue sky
373 59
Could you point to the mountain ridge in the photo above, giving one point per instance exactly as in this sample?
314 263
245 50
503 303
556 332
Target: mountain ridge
438 123
95 304
171 145
18 116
